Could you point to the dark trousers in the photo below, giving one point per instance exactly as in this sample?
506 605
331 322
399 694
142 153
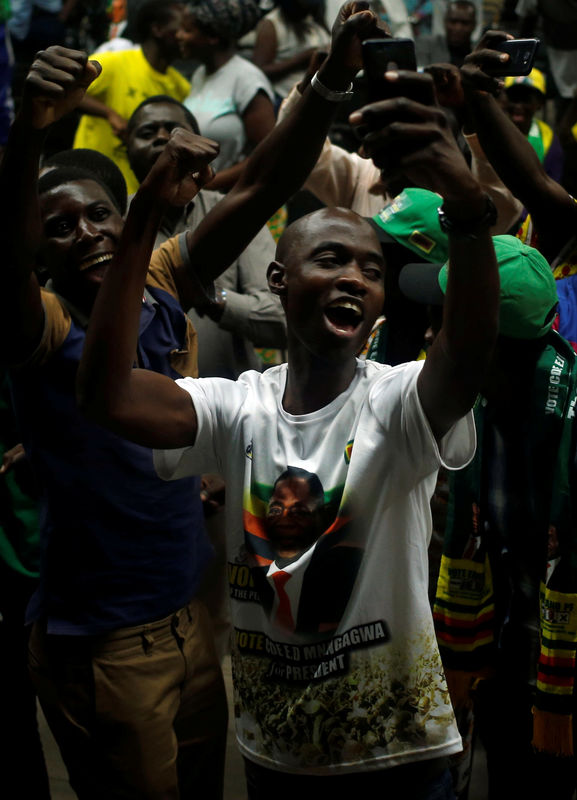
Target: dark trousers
504 724
22 767
424 780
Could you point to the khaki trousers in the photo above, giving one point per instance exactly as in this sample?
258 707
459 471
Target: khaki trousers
137 713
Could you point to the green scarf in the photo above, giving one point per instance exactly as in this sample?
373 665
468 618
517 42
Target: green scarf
470 587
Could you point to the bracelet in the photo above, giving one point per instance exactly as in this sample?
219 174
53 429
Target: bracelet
330 94
468 229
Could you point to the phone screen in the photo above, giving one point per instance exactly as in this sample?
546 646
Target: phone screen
379 55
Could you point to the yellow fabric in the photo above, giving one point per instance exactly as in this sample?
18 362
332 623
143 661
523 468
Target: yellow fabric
546 134
535 79
165 263
126 80
56 329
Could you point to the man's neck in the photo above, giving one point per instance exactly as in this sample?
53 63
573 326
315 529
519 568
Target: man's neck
313 383
151 52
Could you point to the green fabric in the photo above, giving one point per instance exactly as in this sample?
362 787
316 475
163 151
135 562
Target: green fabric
470 580
19 529
528 293
412 219
5 10
536 141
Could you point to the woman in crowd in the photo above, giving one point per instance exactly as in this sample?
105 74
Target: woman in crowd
286 38
230 97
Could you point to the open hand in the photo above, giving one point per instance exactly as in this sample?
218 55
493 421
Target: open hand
55 85
182 169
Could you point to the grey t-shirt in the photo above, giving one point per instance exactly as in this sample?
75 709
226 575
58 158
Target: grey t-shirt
219 100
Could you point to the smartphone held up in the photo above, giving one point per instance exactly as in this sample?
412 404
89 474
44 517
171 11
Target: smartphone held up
384 55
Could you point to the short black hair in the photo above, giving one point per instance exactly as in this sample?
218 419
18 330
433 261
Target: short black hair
163 98
71 174
462 4
94 166
149 12
312 479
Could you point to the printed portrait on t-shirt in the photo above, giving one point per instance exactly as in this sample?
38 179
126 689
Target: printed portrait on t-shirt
304 560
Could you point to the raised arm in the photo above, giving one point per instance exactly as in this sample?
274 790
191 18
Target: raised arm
138 404
553 211
47 97
415 141
281 163
146 407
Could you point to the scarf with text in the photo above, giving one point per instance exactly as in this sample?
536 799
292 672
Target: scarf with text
469 603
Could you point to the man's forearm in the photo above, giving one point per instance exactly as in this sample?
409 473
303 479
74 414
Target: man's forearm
111 340
518 166
19 209
94 107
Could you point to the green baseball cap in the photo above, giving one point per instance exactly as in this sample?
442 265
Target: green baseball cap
411 220
528 296
528 291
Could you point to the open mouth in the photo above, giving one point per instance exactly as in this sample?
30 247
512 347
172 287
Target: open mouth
344 315
95 261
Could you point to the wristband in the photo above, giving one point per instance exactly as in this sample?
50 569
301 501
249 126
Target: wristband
330 94
468 229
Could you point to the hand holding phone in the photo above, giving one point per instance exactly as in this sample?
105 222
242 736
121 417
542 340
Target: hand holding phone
382 55
386 55
522 54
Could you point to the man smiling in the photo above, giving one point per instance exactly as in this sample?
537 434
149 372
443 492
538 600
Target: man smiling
115 614
121 651
362 699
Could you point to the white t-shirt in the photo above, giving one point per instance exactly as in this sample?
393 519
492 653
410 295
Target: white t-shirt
219 100
338 669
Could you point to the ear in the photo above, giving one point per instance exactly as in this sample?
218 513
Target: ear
276 278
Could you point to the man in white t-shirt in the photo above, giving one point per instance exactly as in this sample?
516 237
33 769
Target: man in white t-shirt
336 678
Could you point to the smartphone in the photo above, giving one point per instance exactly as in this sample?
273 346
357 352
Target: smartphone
522 54
380 55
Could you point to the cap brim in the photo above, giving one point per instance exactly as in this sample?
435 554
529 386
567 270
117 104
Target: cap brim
420 282
382 235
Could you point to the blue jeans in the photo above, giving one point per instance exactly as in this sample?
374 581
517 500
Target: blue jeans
410 782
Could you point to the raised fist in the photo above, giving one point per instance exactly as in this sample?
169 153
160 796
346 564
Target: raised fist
55 85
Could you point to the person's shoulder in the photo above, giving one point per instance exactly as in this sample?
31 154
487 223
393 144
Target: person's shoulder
272 377
118 58
57 324
53 305
243 68
248 79
376 374
182 84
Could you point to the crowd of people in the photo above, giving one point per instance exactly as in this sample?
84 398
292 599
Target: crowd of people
288 376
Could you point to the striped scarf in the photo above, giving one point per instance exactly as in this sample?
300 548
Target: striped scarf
469 603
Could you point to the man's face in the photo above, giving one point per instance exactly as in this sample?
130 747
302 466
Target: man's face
81 230
166 33
334 283
459 26
294 519
150 133
521 103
